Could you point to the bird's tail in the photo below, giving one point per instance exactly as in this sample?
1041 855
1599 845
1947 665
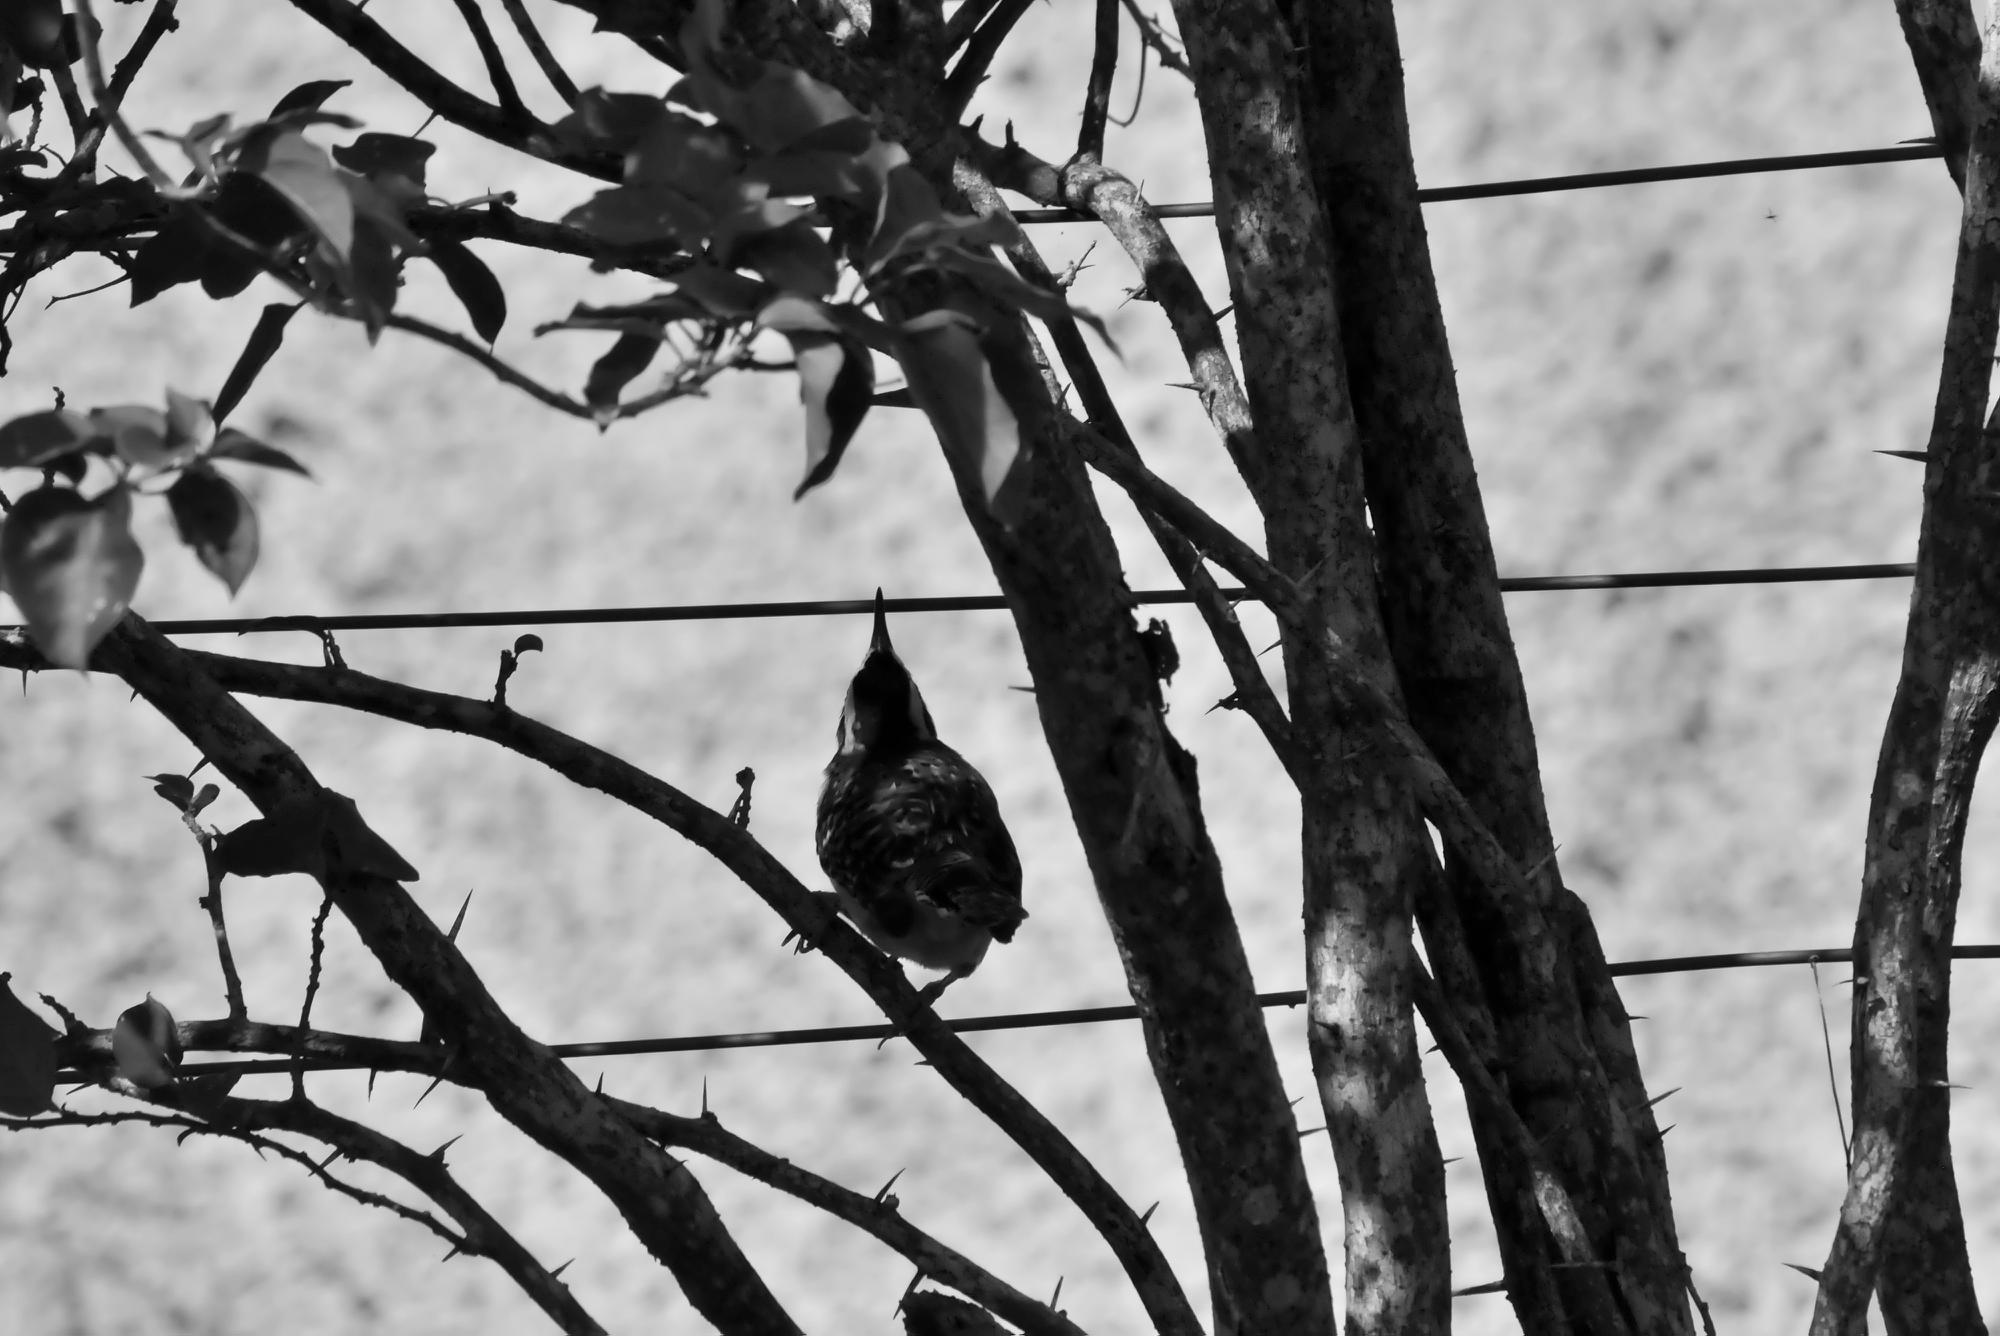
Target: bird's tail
964 885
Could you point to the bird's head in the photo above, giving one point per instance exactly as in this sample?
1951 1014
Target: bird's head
884 709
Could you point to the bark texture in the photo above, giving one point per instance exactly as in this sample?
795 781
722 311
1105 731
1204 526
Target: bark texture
1363 846
1902 1231
1527 980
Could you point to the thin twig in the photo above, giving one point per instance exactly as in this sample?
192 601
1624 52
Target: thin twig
313 970
1832 1079
1156 38
980 50
502 78
1097 94
538 47
107 101
232 982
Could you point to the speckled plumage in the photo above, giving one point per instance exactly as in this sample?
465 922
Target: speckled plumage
909 832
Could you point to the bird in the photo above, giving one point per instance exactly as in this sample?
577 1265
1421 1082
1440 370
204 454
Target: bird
909 832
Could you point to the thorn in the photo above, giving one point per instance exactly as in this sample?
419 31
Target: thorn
557 1273
885 1197
1668 1128
1224 312
1922 457
331 1156
1657 1098
436 1081
1147 1214
600 1083
455 1251
1057 1295
459 922
1490 1287
1233 701
438 1154
704 1097
1183 385
1305 1132
1452 1160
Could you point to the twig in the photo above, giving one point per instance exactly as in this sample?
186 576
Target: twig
1832 1080
107 102
873 1215
967 17
980 49
1097 94
480 1234
496 65
538 47
232 982
1155 37
318 956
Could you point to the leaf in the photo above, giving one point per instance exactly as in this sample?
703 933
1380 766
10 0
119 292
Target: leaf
604 121
264 342
722 292
611 373
175 254
27 1056
288 840
239 445
137 434
524 643
751 218
190 424
836 382
217 521
794 259
33 439
308 96
951 381
298 836
484 300
642 215
34 29
377 155
146 1045
207 794
176 789
300 171
681 152
371 277
71 566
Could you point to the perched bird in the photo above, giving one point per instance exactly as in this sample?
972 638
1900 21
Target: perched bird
909 832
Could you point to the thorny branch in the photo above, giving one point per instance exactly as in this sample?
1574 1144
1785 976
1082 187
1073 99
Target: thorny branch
247 1120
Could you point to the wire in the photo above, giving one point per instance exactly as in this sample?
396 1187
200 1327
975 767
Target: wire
1539 185
839 607
1031 1020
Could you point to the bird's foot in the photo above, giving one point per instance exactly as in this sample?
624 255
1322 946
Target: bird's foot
931 992
827 906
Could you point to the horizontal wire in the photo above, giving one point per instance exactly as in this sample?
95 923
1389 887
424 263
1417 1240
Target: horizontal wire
1631 176
1030 1020
837 607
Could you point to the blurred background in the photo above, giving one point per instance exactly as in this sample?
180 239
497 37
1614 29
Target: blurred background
1674 376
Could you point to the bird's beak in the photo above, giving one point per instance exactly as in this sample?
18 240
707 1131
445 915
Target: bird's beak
880 643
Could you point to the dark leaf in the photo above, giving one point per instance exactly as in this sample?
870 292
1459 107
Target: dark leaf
356 844
611 373
794 259
308 96
146 1045
27 1056
750 218
950 231
176 789
642 215
1017 292
607 122
290 839
522 644
34 29
300 171
264 341
485 301
681 152
372 276
71 567
376 206
722 292
33 439
173 255
207 794
951 381
233 444
217 521
377 155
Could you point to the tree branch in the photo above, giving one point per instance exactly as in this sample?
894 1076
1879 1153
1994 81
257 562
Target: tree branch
660 1201
739 852
875 1216
509 97
531 36
1097 94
